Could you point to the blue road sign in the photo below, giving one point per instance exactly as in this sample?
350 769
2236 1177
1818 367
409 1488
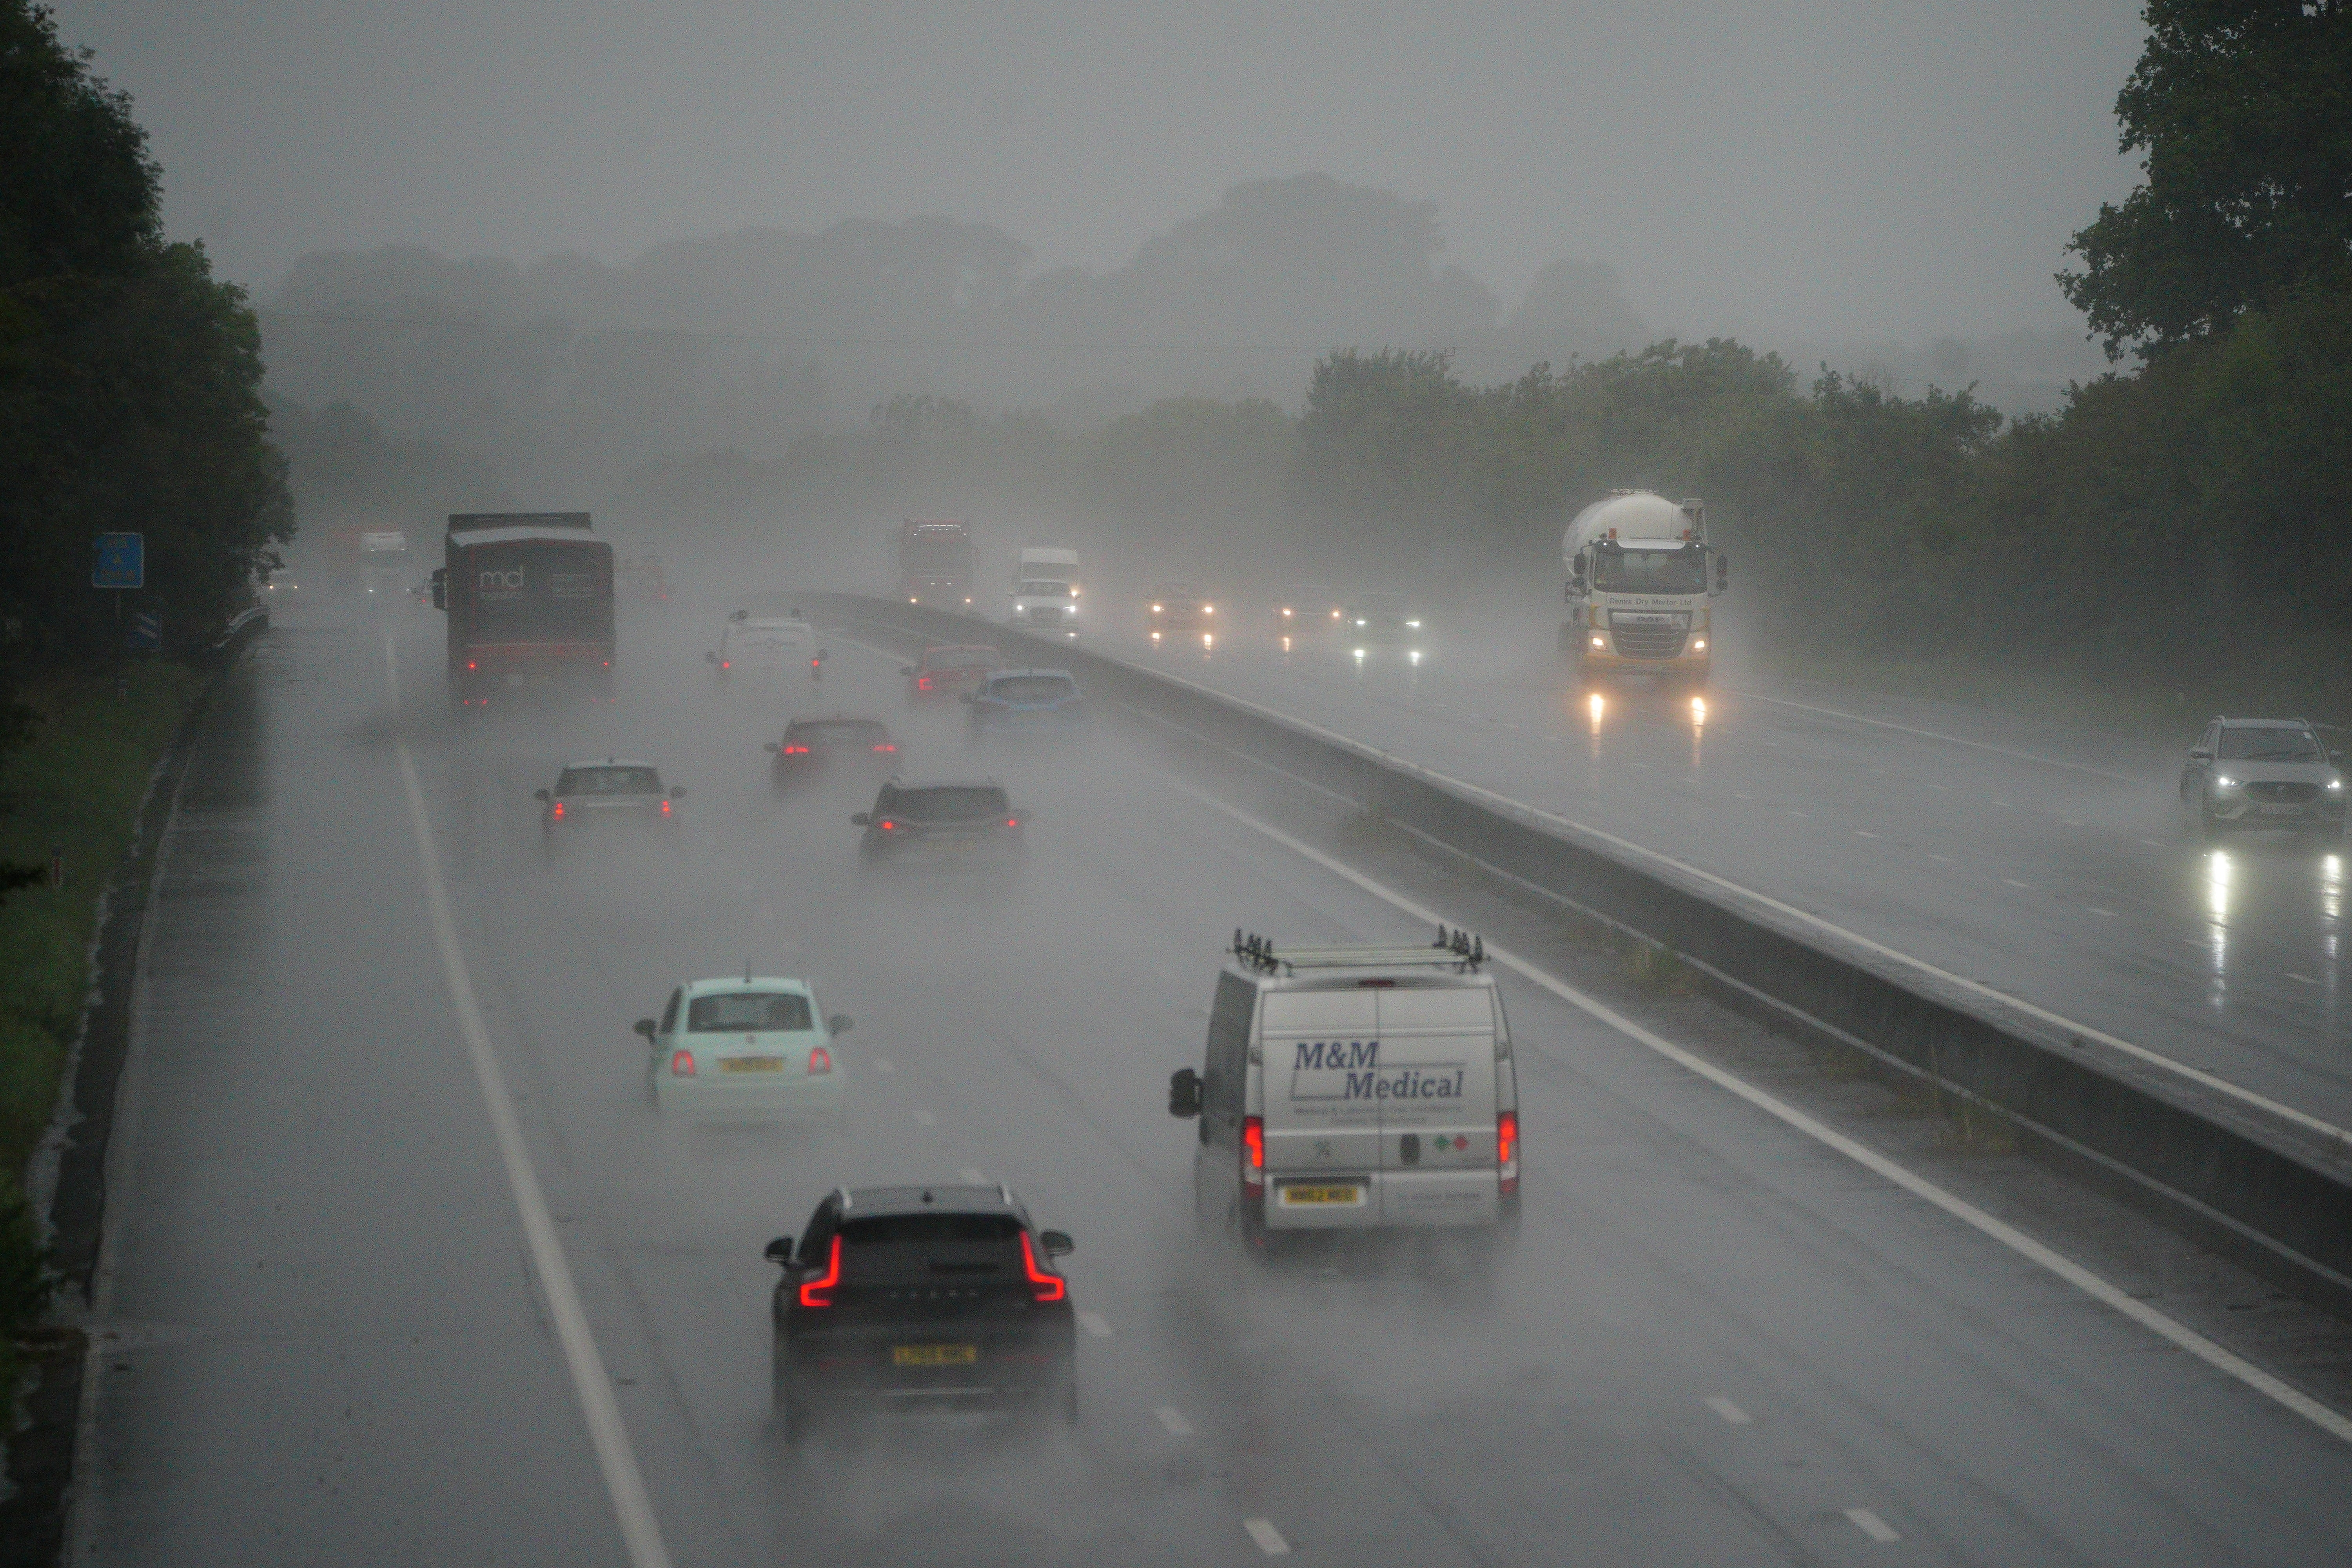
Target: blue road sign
146 634
120 561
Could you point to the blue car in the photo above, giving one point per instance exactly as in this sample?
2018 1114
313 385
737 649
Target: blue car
1027 703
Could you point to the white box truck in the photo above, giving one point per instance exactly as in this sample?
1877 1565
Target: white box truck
1045 589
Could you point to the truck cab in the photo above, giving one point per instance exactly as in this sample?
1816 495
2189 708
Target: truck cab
1639 589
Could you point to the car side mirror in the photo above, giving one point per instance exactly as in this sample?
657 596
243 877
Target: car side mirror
710 658
1056 1243
2200 755
541 794
1184 1093
779 1252
647 1027
770 747
839 1023
862 819
677 792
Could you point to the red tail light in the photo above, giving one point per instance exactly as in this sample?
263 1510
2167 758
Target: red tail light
796 750
1045 1287
1011 822
818 1293
922 683
887 825
1506 1147
1253 1151
665 808
556 811
820 1059
886 746
726 664
681 1064
816 663
469 664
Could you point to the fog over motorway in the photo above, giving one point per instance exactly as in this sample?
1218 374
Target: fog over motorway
1724 1338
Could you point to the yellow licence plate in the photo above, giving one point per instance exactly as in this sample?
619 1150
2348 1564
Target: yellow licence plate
751 1064
1347 1194
934 1355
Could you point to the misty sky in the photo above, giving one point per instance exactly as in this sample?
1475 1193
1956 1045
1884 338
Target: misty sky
1773 168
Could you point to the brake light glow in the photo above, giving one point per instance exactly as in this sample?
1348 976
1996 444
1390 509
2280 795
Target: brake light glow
796 750
1254 1147
886 746
556 811
469 664
922 683
726 664
887 825
818 1293
1043 1286
1507 1150
681 1064
820 1059
665 808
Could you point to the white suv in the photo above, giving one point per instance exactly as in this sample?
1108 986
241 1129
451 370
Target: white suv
1355 1088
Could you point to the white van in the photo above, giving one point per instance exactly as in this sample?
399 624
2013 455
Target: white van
769 645
1355 1088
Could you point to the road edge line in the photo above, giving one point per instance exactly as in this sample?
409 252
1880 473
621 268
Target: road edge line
632 1507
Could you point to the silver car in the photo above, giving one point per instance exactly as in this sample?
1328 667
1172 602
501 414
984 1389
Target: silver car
2264 773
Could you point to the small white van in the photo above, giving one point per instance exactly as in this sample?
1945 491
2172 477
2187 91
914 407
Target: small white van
765 645
1355 1088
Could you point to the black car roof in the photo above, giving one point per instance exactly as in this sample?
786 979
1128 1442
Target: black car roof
864 1203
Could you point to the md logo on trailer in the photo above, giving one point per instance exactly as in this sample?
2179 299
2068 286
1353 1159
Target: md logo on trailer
497 584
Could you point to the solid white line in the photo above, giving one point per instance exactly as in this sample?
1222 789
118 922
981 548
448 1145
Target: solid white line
640 1533
1175 1423
1269 1540
1938 735
1968 1214
1727 1410
1873 1526
1095 1324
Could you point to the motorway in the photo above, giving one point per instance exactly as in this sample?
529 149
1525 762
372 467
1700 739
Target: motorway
2047 863
331 1332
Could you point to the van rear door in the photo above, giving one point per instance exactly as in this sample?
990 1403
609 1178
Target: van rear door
1320 1051
1437 1097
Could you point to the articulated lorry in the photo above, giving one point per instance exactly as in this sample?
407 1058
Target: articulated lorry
1640 574
530 599
1045 589
935 565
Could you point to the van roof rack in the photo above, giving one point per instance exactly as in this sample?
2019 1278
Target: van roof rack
1456 949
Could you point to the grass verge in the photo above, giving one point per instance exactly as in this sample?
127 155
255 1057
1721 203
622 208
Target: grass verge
73 793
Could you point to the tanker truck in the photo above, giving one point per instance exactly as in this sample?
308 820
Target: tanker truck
1639 571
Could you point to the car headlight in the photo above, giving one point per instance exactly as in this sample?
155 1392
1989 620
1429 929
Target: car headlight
2336 783
1359 623
2225 782
1208 610
1414 625
1155 609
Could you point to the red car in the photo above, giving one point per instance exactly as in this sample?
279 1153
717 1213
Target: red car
943 674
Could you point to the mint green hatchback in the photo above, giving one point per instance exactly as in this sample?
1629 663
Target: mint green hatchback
753 1048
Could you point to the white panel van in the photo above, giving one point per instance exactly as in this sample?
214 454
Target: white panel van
1354 1088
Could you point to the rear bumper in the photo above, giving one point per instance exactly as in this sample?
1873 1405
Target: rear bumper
1010 1370
1391 1200
722 1098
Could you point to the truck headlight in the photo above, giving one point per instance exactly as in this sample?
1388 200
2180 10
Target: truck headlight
2336 783
1597 642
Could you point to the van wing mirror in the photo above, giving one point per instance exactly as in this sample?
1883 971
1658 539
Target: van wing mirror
647 1027
1184 1093
441 587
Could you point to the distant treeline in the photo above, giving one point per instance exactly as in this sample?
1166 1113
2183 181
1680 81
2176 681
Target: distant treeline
130 377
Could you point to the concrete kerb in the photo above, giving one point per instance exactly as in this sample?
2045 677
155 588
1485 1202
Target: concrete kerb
2272 1195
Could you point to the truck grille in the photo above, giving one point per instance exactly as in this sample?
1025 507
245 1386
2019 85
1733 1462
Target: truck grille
1650 642
2282 791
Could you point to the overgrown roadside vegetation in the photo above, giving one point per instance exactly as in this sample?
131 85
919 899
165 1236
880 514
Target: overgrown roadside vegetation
74 791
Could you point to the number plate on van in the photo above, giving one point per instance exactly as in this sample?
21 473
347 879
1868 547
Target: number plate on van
1349 1194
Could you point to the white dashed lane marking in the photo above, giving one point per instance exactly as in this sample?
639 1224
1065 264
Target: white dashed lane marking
2102 914
1269 1540
1173 1419
1870 1524
1095 1324
2306 979
1730 1413
1947 859
2015 883
1859 833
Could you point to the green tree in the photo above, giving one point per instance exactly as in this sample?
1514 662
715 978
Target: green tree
2243 110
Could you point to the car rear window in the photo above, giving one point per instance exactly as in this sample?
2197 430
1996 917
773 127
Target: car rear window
748 1012
609 781
952 802
933 1246
1033 688
838 733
